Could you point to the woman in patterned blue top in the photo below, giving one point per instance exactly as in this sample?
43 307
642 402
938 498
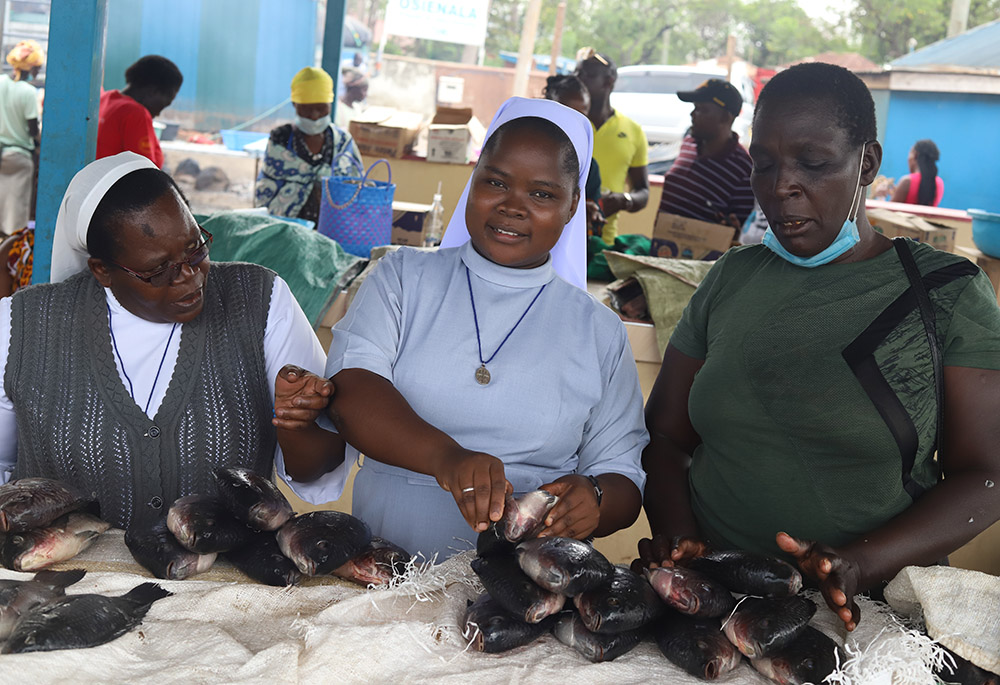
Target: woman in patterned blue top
300 154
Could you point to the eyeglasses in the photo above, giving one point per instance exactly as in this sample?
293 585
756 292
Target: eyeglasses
168 274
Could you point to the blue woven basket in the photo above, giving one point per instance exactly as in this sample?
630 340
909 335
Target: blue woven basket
357 211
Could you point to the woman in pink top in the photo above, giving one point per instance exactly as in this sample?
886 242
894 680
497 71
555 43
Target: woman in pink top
922 186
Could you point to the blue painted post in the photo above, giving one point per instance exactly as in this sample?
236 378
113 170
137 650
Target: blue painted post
333 40
69 129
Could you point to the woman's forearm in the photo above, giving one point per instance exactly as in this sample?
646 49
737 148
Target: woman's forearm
943 519
375 418
308 454
667 499
620 503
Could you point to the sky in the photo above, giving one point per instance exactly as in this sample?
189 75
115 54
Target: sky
823 9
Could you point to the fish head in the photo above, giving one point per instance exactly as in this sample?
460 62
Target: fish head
737 629
268 514
669 583
725 660
778 669
525 516
549 604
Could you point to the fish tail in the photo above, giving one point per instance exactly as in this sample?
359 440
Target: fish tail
59 579
146 594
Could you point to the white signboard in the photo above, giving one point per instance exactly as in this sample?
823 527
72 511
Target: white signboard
453 21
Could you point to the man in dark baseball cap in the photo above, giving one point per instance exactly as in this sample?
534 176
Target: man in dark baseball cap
722 93
710 179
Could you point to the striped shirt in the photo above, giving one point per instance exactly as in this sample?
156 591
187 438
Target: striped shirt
699 187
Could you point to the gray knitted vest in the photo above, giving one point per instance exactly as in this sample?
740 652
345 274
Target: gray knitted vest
77 422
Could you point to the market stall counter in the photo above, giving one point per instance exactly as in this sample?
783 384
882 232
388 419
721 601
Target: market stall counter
220 627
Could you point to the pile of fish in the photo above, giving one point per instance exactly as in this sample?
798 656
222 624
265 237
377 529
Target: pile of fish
693 612
37 616
253 526
43 522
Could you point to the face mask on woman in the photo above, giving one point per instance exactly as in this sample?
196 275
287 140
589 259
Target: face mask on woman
845 240
312 127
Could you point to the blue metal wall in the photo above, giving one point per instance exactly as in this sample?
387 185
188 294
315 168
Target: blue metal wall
237 56
966 129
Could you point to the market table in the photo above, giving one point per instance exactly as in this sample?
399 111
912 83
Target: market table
220 627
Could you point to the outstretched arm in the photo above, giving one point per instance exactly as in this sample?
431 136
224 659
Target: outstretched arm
376 419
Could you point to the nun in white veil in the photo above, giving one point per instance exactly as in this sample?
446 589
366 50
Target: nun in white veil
485 367
104 381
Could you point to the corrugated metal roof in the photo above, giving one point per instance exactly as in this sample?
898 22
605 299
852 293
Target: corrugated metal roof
978 47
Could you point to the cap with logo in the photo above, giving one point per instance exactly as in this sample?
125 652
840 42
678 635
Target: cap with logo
722 93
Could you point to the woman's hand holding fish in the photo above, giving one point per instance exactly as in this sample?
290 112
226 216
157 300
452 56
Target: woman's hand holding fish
838 577
477 483
658 551
299 397
577 513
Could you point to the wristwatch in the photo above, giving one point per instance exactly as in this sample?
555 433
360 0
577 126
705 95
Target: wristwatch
628 202
597 488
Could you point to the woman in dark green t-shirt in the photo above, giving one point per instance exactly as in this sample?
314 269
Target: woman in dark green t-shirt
796 411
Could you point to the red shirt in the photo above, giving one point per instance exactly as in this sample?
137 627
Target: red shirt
123 124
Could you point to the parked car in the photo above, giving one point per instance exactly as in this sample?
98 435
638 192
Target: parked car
647 94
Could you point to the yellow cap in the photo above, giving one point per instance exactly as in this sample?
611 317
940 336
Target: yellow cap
26 55
311 86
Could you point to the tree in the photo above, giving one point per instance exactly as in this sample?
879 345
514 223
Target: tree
887 27
779 31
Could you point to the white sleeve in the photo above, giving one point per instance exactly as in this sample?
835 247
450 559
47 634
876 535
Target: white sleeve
615 434
289 339
8 419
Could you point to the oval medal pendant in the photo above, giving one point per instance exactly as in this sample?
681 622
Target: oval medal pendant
482 375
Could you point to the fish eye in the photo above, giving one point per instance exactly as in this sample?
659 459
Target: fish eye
496 620
705 587
613 601
17 540
323 545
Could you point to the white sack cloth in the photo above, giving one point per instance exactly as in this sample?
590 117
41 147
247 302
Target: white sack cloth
960 608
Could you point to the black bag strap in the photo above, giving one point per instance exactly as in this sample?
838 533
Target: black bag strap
927 316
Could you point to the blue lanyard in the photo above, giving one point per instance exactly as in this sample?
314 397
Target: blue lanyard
131 390
475 318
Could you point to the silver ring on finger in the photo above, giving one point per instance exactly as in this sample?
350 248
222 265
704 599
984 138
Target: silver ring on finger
464 490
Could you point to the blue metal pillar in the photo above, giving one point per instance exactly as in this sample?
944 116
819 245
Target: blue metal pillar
74 73
333 40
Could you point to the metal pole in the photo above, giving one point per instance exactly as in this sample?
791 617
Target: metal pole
557 38
730 55
526 51
333 40
959 17
73 79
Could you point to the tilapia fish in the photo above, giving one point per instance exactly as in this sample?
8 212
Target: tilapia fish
17 597
696 645
689 592
321 541
626 603
749 574
514 591
36 502
251 498
570 631
203 524
377 565
760 627
492 629
80 621
564 565
158 551
809 658
63 539
523 518
262 560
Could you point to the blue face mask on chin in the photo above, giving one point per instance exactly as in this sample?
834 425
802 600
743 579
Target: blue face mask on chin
845 240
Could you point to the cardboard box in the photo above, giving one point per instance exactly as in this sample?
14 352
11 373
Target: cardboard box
681 238
385 132
892 224
409 220
454 136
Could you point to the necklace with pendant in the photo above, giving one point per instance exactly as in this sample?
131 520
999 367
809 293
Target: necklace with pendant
482 373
